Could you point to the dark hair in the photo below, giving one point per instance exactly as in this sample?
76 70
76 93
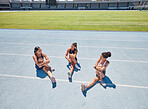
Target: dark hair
75 44
106 54
36 49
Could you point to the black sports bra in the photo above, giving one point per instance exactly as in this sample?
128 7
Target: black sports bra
72 51
38 57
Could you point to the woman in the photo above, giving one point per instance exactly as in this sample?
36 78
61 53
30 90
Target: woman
40 63
100 70
72 58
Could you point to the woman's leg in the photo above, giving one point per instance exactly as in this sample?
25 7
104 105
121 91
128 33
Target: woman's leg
100 75
73 59
92 82
48 72
72 69
48 67
98 78
83 87
50 75
98 68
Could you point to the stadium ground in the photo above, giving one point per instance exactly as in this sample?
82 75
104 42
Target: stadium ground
76 20
22 87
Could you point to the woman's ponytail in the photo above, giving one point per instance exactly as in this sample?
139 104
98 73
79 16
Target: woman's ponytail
106 54
75 44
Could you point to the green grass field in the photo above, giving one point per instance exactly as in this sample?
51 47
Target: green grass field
76 20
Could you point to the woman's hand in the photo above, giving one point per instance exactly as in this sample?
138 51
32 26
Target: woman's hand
98 68
94 66
69 60
44 62
46 65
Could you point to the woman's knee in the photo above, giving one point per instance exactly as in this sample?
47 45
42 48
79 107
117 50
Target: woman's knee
98 72
103 69
102 76
98 68
45 69
73 64
96 79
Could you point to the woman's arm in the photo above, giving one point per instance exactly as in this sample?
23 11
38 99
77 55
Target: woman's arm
106 64
103 68
67 54
47 61
97 62
35 60
75 54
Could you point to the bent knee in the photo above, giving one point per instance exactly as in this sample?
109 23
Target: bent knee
103 76
72 63
103 69
45 69
98 72
96 79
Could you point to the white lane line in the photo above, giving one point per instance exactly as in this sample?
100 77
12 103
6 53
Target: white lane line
62 57
77 39
75 81
53 45
122 85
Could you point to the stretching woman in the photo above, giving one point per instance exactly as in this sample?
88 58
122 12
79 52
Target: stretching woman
72 58
100 70
40 63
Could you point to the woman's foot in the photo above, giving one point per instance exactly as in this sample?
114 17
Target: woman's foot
69 75
52 69
103 84
83 87
53 80
77 67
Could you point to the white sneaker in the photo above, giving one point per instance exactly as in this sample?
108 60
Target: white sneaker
103 84
69 75
77 67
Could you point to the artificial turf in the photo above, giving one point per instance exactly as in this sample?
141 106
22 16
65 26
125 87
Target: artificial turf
76 20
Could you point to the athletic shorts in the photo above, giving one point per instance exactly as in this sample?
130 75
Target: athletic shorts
76 58
37 67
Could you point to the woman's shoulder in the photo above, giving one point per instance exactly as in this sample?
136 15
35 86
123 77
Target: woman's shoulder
34 56
107 61
100 56
76 49
43 54
68 49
